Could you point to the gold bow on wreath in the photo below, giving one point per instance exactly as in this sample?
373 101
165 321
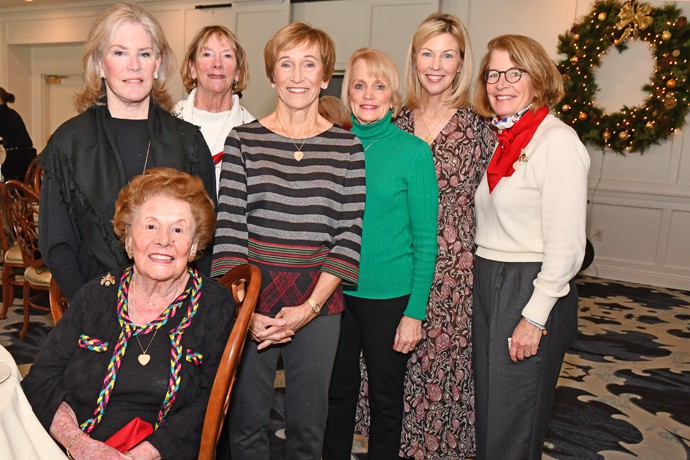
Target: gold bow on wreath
634 17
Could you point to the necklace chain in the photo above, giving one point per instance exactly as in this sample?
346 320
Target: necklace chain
429 138
144 357
146 161
299 154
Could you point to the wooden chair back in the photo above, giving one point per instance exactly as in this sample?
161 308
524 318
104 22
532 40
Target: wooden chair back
34 175
58 301
12 261
218 403
21 204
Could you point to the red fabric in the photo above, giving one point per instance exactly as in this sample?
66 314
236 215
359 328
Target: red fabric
130 435
510 144
217 158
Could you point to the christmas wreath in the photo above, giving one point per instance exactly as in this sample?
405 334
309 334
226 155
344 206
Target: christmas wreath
612 23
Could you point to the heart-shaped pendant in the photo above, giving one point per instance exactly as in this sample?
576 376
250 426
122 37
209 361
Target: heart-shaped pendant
144 359
299 155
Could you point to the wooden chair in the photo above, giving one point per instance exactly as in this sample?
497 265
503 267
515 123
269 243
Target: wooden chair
218 403
21 205
12 261
34 176
58 301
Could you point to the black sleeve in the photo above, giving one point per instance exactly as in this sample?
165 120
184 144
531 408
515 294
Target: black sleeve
45 386
58 239
208 176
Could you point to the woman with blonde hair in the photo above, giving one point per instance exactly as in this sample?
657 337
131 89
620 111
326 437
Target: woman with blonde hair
439 391
214 72
124 128
531 214
384 312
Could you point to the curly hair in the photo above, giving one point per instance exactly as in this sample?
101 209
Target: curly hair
172 183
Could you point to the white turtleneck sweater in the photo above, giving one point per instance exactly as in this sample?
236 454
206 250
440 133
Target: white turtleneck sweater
214 126
539 213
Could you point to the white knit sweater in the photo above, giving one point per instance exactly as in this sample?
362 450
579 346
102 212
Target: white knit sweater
214 126
538 214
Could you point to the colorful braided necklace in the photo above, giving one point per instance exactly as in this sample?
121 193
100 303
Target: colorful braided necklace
129 329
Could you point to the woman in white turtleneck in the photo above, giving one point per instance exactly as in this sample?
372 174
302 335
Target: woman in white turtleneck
215 71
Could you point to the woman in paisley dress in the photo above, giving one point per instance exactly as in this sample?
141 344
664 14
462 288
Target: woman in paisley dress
439 393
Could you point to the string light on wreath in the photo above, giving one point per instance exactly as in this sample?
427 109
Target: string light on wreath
612 23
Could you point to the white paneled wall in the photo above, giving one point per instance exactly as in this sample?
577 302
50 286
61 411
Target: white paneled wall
639 216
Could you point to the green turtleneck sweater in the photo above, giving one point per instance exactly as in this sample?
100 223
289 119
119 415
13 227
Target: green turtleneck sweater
399 248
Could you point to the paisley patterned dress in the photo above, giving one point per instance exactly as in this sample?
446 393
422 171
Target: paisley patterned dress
439 389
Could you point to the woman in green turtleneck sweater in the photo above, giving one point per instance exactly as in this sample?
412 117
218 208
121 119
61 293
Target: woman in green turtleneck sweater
384 312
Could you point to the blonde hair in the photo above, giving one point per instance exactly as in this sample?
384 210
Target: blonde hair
99 39
172 183
333 110
200 40
296 34
434 25
525 53
380 65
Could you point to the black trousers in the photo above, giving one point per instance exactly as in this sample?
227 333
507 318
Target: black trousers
368 325
513 400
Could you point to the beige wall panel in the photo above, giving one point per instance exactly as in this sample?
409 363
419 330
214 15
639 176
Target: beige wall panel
50 30
347 22
626 233
393 25
254 29
678 249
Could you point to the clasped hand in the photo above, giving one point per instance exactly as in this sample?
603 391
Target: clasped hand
269 331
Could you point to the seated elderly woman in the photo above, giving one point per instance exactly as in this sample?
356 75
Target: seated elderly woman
86 385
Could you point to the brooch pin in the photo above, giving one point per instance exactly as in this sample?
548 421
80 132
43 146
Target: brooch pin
521 159
107 280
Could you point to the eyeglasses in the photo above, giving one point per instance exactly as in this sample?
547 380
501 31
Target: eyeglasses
512 75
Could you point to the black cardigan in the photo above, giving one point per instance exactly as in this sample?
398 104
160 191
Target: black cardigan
83 174
63 371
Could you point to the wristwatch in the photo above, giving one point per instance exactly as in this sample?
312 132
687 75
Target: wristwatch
314 305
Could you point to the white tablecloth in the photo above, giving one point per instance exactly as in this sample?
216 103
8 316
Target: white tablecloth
22 437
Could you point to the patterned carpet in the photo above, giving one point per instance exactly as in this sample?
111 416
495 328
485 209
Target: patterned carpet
624 391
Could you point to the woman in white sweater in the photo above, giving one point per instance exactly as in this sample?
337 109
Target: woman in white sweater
215 72
531 211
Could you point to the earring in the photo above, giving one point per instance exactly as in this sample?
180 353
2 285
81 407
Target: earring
324 86
234 85
129 253
102 75
273 85
155 75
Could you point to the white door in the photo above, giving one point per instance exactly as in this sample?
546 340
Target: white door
58 105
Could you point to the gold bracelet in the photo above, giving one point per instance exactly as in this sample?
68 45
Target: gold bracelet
71 443
314 305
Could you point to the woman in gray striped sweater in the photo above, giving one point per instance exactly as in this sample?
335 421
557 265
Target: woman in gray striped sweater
291 201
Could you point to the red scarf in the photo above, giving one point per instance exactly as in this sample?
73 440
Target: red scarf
511 141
